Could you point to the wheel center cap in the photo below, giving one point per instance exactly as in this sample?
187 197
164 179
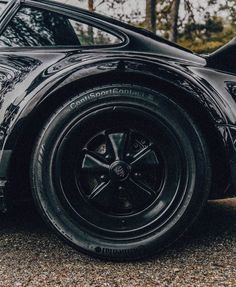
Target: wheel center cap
119 171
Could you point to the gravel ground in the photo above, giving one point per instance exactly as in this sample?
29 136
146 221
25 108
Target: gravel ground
31 255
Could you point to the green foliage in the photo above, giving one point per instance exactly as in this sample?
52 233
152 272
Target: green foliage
203 26
208 45
205 37
206 34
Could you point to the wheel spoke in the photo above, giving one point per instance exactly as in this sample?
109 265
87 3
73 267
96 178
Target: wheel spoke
102 194
119 172
118 142
93 163
140 193
145 158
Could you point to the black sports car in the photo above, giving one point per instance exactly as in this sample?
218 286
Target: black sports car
121 136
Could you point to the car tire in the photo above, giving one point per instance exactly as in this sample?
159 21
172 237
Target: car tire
120 172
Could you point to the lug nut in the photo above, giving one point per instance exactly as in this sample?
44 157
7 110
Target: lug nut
102 177
137 174
107 157
128 155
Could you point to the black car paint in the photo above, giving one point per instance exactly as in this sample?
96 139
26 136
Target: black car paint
30 76
224 58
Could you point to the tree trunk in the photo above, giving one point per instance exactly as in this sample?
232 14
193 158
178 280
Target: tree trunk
174 15
151 16
91 5
90 28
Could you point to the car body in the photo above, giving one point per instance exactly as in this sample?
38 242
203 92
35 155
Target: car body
36 80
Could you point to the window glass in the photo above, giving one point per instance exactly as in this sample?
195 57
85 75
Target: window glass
32 27
89 35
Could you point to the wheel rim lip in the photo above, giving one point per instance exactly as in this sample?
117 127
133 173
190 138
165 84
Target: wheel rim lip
101 110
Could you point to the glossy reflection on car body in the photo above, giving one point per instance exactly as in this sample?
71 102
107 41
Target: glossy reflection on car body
51 52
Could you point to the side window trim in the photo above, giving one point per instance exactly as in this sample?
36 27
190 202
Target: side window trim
83 18
76 16
72 30
6 18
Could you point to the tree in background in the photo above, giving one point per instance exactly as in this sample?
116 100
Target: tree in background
91 5
168 20
174 17
201 26
151 15
229 7
90 28
208 32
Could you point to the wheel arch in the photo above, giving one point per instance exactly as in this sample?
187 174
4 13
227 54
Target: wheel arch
194 105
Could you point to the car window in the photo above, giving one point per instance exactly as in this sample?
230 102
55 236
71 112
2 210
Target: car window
89 35
32 27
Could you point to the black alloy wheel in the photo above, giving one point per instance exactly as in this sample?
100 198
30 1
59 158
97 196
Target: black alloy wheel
125 168
120 172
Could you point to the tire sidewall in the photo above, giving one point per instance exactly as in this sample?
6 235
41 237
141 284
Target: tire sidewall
56 216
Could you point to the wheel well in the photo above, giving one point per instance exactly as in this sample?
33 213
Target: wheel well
25 143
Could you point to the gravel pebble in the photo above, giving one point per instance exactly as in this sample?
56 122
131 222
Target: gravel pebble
31 255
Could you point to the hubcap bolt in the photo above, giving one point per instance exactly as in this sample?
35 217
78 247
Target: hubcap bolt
128 155
103 177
